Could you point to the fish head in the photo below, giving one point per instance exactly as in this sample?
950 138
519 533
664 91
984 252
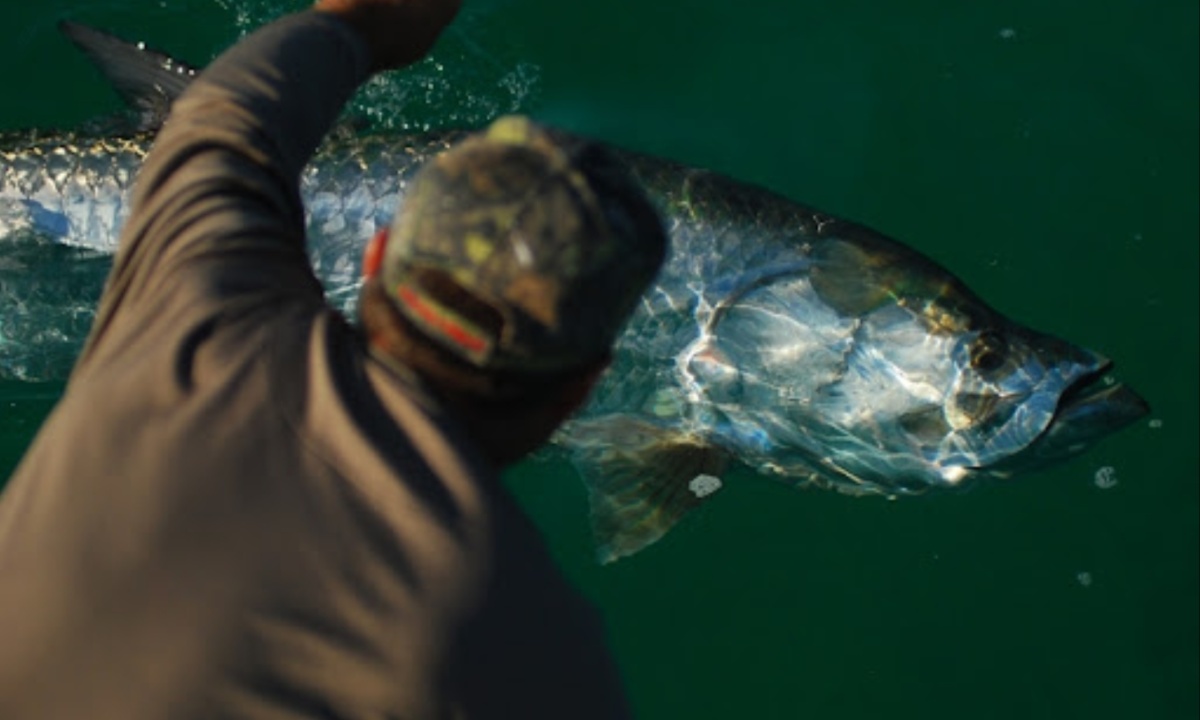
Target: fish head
1015 400
878 371
1021 399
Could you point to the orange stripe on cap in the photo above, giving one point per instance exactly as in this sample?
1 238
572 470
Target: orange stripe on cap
438 320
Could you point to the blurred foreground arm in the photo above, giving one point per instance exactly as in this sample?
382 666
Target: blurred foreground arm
216 209
396 32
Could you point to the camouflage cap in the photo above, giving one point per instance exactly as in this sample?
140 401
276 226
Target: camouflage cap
523 249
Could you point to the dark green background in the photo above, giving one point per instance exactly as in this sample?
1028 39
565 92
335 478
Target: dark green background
1046 152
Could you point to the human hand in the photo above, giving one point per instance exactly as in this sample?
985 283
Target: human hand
397 32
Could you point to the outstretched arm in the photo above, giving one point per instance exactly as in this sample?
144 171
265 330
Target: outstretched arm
216 207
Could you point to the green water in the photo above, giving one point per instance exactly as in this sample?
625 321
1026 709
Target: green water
1046 152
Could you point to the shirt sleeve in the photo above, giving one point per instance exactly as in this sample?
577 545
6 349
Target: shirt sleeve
216 209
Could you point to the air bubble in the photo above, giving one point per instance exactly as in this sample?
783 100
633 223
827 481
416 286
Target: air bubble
1106 478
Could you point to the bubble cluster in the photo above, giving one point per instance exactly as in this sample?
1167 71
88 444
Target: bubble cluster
473 75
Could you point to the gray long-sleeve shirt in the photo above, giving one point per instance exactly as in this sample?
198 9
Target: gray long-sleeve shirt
235 511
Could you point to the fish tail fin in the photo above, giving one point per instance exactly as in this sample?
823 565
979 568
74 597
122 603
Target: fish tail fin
147 80
641 478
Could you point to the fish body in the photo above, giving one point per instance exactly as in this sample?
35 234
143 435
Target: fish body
810 349
65 196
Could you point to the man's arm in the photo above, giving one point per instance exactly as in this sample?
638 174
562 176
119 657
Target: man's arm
220 187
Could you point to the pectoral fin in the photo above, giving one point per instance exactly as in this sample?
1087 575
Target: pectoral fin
641 479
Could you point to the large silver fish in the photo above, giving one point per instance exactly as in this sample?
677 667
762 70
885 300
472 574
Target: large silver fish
808 348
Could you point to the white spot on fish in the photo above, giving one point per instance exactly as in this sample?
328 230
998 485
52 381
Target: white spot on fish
704 485
1106 478
1084 579
1155 424
1007 33
954 474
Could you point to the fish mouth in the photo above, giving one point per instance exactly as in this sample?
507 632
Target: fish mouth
1096 391
1086 388
1092 406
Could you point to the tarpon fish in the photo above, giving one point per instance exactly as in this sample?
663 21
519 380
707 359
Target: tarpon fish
807 348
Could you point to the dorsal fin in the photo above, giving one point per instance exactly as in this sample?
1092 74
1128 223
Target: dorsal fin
147 80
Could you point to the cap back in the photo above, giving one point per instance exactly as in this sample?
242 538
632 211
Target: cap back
523 249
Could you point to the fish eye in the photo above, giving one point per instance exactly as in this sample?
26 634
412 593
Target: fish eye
988 351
